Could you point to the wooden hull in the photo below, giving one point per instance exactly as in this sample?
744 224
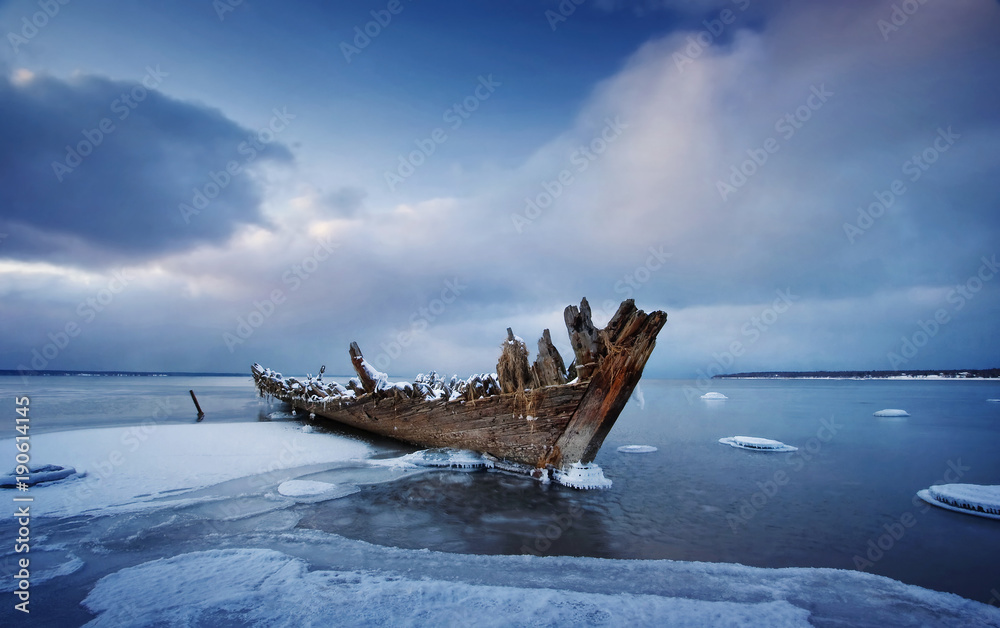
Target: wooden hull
521 430
536 426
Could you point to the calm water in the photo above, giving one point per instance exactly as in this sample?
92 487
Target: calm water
842 494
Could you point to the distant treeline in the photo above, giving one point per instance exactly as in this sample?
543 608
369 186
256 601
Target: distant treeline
18 373
957 374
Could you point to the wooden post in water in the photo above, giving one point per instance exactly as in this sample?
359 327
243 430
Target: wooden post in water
201 415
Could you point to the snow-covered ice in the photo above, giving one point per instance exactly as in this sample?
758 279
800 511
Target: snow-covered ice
891 412
973 499
636 449
372 585
443 457
131 466
756 444
714 395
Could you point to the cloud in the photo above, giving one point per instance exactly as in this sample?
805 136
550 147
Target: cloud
345 201
862 108
95 170
641 215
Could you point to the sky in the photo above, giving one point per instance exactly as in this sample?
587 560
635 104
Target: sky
198 185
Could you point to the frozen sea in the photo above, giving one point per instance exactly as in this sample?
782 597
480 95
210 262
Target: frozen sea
257 517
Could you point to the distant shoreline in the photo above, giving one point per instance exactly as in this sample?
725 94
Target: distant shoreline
923 375
17 373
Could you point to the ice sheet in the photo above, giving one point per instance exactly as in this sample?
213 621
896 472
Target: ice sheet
251 586
132 465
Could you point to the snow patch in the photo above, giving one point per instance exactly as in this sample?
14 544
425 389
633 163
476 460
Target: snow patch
636 449
756 444
891 413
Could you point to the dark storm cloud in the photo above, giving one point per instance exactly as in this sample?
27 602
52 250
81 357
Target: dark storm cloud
94 170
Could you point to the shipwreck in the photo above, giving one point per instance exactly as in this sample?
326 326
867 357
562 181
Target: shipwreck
543 419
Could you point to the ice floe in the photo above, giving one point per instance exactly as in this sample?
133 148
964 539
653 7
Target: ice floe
132 466
579 475
714 395
892 413
37 475
973 499
636 449
756 444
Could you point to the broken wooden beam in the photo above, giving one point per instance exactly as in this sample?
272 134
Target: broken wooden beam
365 376
583 337
633 338
548 369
